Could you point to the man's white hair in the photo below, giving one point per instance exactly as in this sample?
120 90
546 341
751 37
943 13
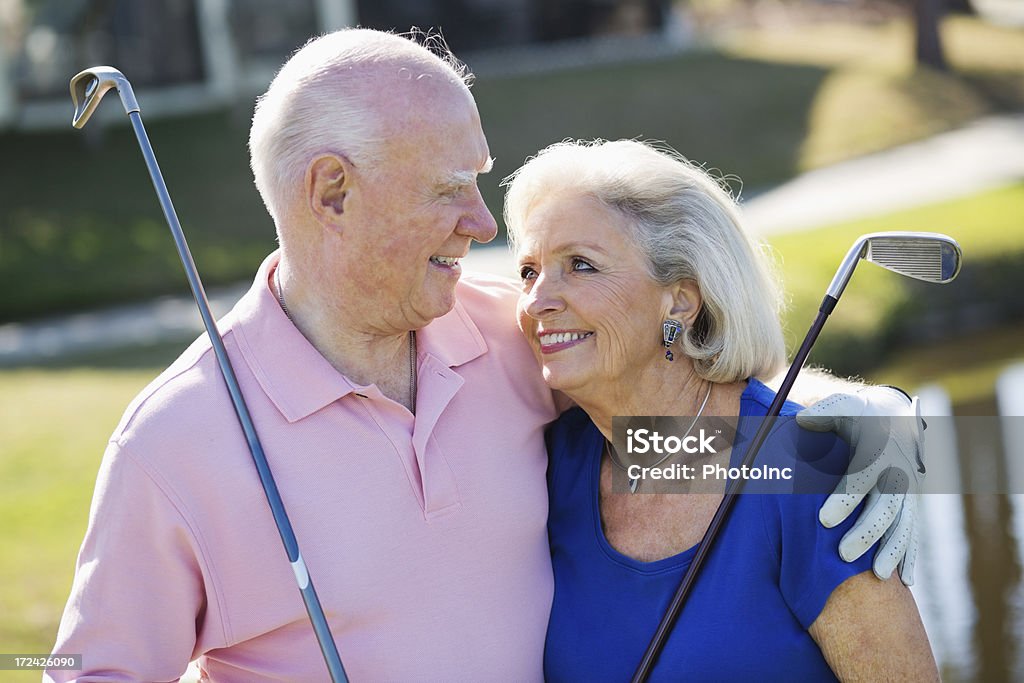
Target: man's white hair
688 227
328 98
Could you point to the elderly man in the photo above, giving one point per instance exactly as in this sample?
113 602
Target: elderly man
401 411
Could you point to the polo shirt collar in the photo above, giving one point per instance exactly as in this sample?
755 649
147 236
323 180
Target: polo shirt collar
453 339
296 377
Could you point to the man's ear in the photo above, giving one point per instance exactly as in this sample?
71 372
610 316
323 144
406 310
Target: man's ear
686 301
328 179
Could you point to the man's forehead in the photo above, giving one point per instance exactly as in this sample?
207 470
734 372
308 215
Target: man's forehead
440 131
426 96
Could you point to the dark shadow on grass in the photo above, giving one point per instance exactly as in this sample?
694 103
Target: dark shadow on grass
154 357
1004 90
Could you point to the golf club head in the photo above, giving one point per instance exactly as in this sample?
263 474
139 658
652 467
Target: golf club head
89 86
927 256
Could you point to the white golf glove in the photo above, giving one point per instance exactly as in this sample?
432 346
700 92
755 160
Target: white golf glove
885 433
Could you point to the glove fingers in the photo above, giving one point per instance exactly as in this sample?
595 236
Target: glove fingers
829 413
906 567
839 505
848 493
893 549
878 515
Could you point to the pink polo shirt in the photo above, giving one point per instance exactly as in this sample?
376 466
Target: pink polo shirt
425 537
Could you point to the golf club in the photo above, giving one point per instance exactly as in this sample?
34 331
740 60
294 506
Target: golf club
927 256
87 89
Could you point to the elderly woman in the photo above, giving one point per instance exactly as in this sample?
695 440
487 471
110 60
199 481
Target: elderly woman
614 240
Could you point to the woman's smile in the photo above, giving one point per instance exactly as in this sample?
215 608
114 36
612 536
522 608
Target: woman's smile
552 341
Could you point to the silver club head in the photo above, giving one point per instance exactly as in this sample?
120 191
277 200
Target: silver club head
88 88
928 256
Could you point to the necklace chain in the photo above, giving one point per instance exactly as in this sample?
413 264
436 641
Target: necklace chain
412 341
634 482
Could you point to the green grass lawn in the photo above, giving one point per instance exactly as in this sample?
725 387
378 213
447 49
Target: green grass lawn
55 424
80 226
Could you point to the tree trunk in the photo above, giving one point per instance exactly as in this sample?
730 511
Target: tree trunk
928 43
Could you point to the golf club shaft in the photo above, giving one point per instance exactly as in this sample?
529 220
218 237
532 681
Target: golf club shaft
284 527
732 494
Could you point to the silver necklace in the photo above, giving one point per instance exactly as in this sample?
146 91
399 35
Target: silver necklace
412 342
634 482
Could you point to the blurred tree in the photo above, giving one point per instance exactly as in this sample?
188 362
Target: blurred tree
928 42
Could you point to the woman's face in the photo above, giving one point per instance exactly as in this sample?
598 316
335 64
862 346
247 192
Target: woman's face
589 307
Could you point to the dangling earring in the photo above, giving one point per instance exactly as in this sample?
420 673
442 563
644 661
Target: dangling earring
670 331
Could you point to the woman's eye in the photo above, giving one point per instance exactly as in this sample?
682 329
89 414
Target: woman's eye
527 273
580 265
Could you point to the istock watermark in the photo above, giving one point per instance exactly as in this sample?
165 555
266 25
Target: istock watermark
644 441
681 454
